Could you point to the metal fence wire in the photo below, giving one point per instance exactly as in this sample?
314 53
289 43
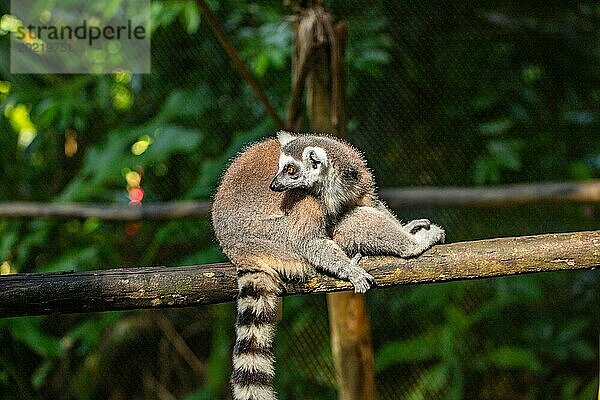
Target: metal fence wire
439 93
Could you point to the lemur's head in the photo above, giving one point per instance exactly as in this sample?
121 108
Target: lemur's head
299 166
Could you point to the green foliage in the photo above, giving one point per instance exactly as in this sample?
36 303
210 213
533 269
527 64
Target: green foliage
438 94
503 154
453 348
514 358
303 329
28 331
217 365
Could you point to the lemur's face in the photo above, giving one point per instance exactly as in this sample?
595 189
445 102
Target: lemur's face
306 173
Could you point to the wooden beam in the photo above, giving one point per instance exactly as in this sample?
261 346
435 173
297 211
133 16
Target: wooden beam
319 46
113 212
494 196
397 198
159 287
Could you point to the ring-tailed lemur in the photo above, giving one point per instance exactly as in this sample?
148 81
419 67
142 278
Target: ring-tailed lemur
285 207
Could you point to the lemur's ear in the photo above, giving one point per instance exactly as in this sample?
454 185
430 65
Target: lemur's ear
315 155
285 137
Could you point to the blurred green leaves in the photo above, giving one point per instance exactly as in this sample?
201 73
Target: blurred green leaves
28 331
369 52
421 348
163 14
268 46
437 94
467 337
163 138
514 358
502 155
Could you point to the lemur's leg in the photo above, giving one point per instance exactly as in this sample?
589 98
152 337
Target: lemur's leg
375 231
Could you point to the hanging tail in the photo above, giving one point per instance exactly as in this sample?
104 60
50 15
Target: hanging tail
253 360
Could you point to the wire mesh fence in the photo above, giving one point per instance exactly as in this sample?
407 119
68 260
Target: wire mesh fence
439 93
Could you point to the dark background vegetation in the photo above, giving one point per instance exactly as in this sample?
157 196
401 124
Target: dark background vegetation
439 93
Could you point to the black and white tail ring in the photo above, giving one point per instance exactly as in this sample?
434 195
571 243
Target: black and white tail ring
253 361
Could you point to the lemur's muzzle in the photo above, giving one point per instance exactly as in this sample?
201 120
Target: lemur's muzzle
276 184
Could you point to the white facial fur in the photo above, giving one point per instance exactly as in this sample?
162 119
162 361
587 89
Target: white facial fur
284 160
314 165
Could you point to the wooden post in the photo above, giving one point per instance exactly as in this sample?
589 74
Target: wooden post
319 52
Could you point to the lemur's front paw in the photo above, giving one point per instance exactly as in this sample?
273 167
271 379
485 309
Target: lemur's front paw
434 235
416 225
360 279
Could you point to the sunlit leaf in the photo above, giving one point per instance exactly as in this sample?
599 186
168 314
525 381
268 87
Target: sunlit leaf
29 332
74 259
415 349
496 127
515 358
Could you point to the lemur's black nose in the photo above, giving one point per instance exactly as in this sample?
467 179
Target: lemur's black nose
276 186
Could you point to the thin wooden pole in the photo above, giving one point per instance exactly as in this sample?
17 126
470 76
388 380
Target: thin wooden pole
319 45
511 195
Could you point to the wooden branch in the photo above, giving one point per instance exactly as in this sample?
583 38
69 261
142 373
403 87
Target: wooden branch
494 196
222 37
397 198
151 211
158 287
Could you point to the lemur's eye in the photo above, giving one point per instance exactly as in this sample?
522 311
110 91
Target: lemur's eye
290 169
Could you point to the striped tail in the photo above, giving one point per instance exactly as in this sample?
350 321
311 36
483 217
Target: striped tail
253 360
